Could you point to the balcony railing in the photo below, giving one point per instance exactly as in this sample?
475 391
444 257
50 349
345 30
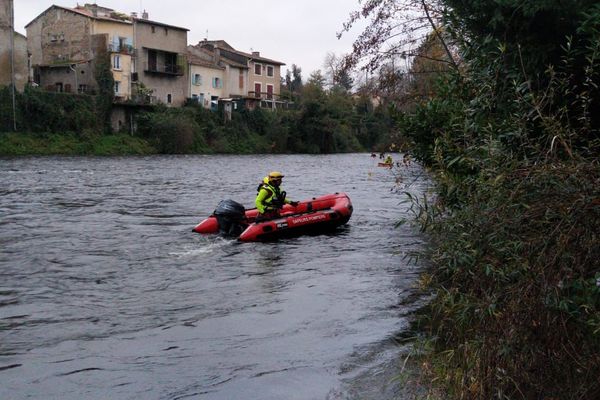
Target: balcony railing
123 49
264 95
167 69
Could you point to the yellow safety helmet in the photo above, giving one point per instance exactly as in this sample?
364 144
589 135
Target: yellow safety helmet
275 175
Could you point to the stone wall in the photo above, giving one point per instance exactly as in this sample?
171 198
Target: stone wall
20 51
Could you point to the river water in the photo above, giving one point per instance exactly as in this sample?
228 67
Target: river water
106 293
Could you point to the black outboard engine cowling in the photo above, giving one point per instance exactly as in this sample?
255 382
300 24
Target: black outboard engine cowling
231 217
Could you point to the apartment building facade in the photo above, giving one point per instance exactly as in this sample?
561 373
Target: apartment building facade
265 77
150 61
248 74
206 78
66 44
161 62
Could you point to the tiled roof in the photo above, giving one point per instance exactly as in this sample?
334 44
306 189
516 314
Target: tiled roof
81 11
259 58
124 19
195 59
226 46
147 21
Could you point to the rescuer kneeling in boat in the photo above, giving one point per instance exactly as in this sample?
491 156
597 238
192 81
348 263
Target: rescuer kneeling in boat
270 198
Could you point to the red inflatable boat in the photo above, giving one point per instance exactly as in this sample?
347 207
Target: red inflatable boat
317 215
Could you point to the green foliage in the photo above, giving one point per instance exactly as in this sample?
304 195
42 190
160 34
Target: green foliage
171 131
17 144
323 122
517 291
41 111
514 148
106 87
6 109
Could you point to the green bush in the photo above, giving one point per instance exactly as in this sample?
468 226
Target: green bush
171 131
515 225
45 112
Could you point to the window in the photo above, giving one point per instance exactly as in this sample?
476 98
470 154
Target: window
217 83
169 98
270 70
153 29
82 89
171 63
152 60
117 62
257 69
257 89
117 86
241 83
197 79
166 32
270 92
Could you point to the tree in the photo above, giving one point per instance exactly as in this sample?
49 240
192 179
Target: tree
335 74
316 79
331 65
106 86
296 82
429 64
397 28
344 80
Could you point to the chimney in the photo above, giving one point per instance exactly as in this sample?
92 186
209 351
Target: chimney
145 15
256 53
134 15
92 7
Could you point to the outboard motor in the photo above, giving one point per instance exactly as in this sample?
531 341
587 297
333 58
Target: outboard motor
230 216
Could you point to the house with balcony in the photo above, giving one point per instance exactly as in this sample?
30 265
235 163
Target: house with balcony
161 63
249 74
265 78
65 45
146 58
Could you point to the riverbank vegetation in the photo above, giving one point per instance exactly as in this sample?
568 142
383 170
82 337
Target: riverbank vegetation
321 120
511 133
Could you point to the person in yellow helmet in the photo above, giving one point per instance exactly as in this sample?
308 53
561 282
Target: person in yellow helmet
270 198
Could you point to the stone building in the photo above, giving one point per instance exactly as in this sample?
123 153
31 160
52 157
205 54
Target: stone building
66 45
18 60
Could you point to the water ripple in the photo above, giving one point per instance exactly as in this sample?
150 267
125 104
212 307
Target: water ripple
102 276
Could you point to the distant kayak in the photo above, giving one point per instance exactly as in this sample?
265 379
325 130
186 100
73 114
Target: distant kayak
388 165
314 216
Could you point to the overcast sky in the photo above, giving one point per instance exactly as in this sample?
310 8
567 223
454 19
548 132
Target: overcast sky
297 32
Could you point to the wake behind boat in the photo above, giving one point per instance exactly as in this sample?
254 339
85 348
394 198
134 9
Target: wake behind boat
317 215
